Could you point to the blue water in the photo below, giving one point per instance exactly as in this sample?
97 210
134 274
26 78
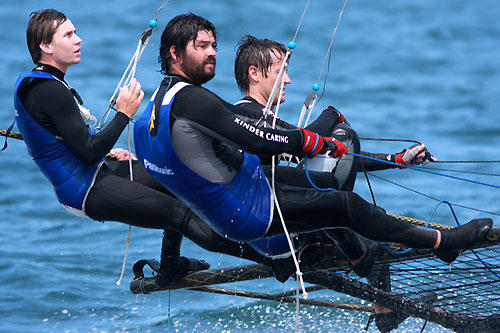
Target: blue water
416 69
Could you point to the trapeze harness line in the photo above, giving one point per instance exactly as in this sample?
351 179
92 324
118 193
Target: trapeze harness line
71 178
240 210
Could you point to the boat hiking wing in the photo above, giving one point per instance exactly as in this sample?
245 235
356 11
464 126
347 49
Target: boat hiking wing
468 290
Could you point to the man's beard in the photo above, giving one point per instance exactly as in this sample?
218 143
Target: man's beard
197 72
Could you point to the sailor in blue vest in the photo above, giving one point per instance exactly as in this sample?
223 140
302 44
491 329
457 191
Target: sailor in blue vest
54 124
256 64
203 150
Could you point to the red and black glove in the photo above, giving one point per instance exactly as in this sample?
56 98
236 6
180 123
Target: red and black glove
415 155
341 116
315 144
336 147
312 144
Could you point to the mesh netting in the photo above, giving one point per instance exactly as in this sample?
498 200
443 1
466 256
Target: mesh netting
471 284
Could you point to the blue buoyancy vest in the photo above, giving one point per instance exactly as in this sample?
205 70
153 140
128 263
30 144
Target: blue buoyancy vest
276 246
240 210
70 177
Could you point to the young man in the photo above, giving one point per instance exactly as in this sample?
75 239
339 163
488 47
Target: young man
72 157
257 64
182 138
256 67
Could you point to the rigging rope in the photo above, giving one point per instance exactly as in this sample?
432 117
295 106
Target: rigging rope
450 205
431 197
312 99
418 142
329 54
426 171
280 79
301 19
125 80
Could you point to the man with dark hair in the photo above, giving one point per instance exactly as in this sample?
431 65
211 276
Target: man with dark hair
257 64
50 117
182 138
41 29
185 29
255 58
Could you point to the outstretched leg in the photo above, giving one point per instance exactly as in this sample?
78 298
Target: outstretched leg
306 210
145 203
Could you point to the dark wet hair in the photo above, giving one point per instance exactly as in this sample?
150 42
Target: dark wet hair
41 29
253 51
178 32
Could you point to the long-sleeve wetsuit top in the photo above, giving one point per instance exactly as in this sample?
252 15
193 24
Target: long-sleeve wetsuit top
201 121
322 125
52 105
371 165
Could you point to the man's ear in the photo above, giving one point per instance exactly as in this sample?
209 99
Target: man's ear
254 74
173 53
46 48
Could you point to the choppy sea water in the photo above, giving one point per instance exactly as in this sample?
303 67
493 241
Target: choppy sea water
425 70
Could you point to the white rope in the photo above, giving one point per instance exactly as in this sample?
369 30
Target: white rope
127 241
124 81
300 278
312 104
307 107
130 74
280 79
134 60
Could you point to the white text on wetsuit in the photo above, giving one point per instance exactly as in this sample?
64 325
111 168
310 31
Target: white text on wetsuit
260 133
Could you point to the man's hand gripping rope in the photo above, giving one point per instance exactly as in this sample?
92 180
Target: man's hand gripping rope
415 155
314 144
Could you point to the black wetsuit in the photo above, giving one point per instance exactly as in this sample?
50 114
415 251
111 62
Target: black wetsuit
200 118
113 197
324 125
342 177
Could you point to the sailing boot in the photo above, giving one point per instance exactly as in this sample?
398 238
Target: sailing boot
309 251
448 256
354 247
465 236
389 321
380 277
177 270
173 267
371 253
282 268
